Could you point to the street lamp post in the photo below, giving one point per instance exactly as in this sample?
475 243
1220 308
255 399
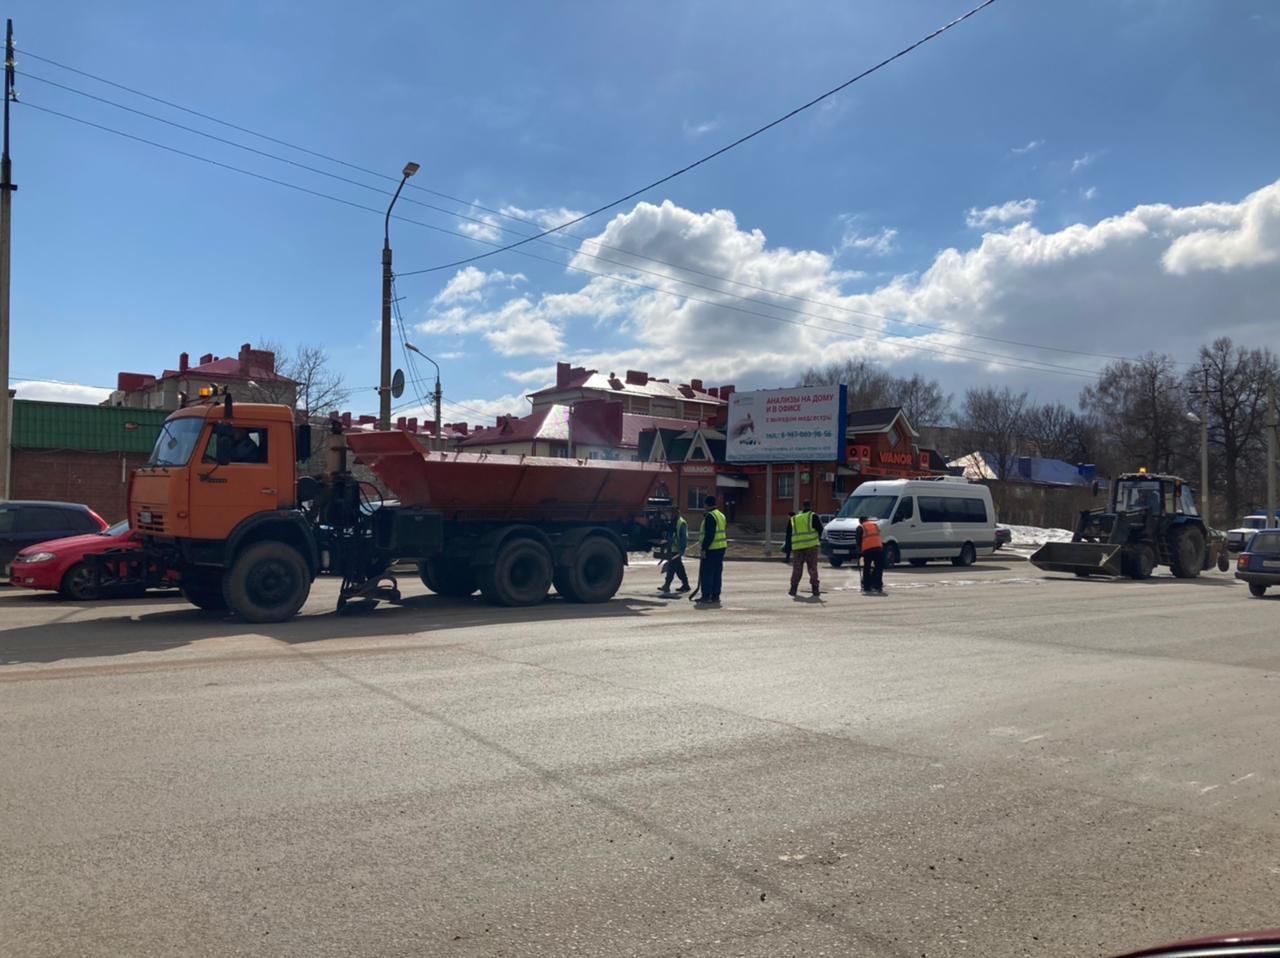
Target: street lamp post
384 385
438 394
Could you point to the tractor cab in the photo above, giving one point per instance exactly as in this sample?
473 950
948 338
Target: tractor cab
1157 495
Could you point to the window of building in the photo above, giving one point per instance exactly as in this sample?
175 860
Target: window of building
697 497
895 437
697 453
786 486
838 486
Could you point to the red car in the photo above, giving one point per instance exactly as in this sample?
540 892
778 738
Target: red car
59 564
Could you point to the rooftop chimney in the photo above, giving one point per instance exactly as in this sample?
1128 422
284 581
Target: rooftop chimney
206 359
714 391
727 391
184 361
696 384
563 375
637 377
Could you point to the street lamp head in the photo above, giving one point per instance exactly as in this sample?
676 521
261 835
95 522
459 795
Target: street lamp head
413 348
410 169
1192 417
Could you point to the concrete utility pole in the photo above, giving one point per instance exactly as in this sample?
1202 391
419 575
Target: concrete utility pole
1204 451
384 384
1273 449
6 228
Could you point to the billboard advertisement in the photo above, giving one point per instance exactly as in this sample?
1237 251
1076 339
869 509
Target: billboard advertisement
802 424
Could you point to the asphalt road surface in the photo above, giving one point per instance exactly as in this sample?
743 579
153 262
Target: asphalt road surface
985 762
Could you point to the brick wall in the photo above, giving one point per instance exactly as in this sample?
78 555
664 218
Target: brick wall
93 478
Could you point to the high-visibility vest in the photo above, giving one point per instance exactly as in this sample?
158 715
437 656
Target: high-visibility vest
720 539
871 536
803 534
680 527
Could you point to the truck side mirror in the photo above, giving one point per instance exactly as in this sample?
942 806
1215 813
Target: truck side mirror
222 445
302 441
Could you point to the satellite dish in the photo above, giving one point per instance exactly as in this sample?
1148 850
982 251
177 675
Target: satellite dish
397 384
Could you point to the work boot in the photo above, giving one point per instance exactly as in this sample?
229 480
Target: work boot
683 588
791 592
817 592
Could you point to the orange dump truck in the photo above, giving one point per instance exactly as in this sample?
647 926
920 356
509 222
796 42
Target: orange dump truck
219 503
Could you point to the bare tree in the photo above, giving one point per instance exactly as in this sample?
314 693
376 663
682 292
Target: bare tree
1237 385
1061 433
1141 409
871 387
921 399
320 389
994 421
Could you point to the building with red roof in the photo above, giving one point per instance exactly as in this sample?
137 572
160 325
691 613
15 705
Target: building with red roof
250 375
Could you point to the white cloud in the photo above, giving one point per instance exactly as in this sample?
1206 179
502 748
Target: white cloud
453 355
468 283
1009 212
880 243
53 391
533 377
695 130
1031 145
1104 287
476 412
1080 162
1089 193
490 227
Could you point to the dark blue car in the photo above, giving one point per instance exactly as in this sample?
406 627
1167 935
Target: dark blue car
1259 563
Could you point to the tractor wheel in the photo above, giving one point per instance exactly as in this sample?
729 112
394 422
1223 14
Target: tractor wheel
1140 561
1257 590
204 590
443 577
594 573
835 562
268 582
1186 552
520 575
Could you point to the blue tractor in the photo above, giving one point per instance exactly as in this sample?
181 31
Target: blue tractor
1152 521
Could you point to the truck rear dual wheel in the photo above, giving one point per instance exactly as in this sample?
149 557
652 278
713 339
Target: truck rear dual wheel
268 582
594 573
453 579
520 574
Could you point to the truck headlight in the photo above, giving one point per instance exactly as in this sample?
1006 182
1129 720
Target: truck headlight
38 557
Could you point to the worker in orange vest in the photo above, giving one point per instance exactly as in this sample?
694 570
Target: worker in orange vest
871 549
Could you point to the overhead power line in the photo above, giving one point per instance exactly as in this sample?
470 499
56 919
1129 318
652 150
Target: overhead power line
826 304
907 343
726 148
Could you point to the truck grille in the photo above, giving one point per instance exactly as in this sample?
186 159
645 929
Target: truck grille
840 535
149 521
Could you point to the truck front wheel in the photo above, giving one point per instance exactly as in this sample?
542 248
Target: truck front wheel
520 575
204 590
268 582
595 572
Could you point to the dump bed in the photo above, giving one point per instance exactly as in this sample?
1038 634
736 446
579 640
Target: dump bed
511 488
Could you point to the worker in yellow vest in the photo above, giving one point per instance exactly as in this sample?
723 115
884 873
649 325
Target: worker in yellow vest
715 541
804 534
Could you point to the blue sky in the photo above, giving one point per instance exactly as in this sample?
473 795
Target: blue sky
1098 169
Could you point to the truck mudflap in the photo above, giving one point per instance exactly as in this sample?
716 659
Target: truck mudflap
1079 558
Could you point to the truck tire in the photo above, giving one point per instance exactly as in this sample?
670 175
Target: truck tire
594 573
204 590
268 582
1186 552
520 575
1139 561
451 579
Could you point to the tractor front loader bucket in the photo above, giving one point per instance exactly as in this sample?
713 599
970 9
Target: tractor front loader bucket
1079 558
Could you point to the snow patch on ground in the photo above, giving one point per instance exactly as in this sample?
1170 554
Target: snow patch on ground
1035 536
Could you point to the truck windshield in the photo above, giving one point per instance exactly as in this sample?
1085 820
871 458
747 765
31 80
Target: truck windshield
1141 494
176 442
873 507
